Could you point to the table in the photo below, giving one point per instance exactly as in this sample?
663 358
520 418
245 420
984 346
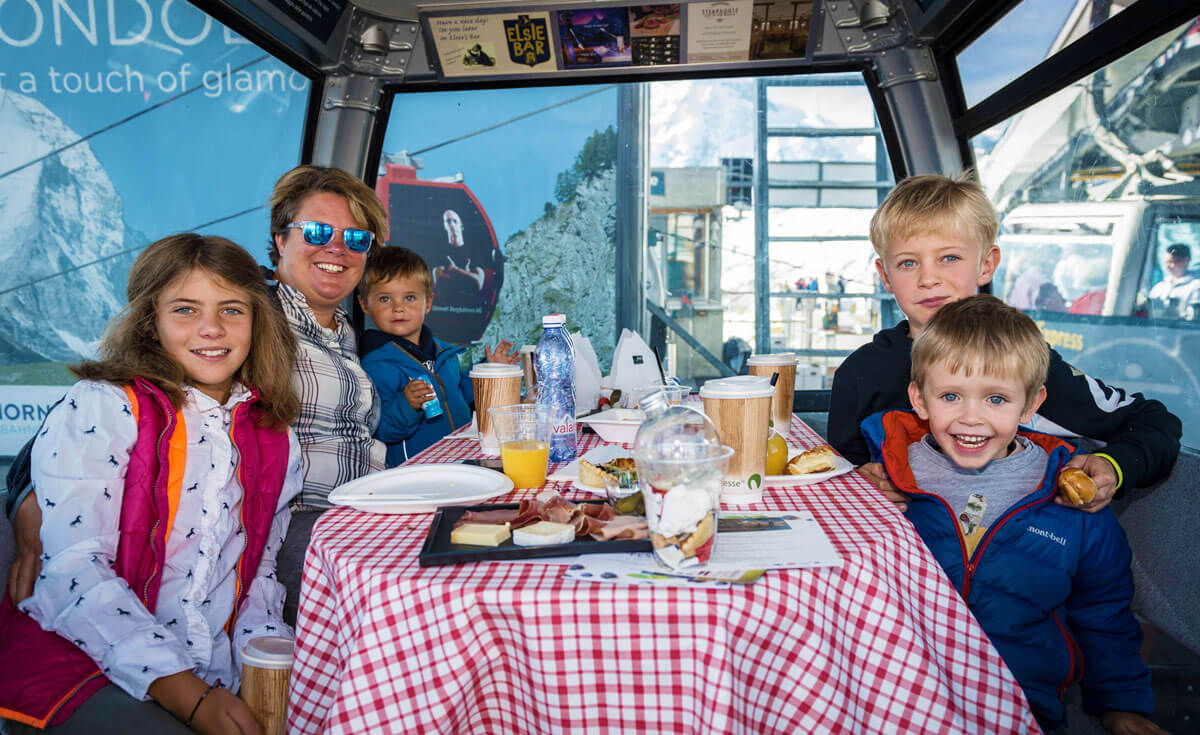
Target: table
883 644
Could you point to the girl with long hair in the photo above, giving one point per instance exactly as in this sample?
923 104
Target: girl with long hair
164 478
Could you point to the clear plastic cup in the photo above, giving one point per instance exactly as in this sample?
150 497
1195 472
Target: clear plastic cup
523 433
681 487
624 493
674 393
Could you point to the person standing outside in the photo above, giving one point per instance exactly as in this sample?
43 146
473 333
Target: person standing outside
1177 295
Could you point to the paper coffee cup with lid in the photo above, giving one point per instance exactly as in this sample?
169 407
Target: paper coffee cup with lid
495 384
740 407
266 675
782 364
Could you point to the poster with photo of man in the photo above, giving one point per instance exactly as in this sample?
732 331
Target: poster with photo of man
447 226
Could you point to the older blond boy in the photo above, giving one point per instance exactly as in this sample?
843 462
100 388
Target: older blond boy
1051 588
935 240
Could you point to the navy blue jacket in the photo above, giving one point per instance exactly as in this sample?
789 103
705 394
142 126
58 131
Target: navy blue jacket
1050 585
404 429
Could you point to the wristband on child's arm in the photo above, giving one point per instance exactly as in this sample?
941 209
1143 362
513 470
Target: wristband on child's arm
192 716
1116 468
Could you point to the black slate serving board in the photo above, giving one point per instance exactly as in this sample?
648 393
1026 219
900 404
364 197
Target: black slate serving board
438 550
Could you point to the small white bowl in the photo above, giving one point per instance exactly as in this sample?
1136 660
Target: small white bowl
616 425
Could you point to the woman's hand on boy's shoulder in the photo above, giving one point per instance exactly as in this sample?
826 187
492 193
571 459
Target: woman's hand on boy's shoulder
503 353
1102 473
1130 723
875 474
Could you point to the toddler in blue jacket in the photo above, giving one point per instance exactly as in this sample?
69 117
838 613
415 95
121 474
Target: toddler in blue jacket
405 362
1051 587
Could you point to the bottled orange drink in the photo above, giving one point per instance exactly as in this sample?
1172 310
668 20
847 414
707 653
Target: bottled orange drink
523 433
525 462
777 452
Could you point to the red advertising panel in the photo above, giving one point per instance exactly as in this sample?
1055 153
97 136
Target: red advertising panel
448 227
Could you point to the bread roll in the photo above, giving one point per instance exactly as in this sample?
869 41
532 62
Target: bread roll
593 475
817 459
1076 485
590 474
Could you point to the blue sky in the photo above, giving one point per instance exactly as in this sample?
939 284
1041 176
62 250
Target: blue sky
1009 48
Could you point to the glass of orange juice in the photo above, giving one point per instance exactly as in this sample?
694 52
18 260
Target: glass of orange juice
523 433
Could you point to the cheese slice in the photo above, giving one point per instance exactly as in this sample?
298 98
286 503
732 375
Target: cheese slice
544 533
480 534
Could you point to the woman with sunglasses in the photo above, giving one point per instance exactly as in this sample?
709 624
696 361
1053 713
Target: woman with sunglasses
324 221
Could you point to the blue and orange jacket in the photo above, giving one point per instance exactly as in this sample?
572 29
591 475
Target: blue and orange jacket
1050 585
57 676
404 429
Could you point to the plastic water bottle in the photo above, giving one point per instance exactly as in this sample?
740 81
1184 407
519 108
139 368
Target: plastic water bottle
554 359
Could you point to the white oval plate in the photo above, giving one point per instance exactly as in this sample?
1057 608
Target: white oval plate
421 488
841 466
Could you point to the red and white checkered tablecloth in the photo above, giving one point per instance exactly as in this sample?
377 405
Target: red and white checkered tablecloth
883 644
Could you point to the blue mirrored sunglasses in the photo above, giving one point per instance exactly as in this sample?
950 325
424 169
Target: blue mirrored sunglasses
321 233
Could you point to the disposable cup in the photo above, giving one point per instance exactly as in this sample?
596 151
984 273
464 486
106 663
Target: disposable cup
674 393
495 384
740 407
266 674
523 433
783 363
681 489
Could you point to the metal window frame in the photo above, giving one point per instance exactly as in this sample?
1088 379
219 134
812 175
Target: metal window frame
1132 28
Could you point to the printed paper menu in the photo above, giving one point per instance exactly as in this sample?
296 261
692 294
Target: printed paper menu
719 31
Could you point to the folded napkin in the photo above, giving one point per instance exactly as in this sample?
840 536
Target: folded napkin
634 364
587 373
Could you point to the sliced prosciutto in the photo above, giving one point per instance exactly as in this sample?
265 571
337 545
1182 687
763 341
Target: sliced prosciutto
594 520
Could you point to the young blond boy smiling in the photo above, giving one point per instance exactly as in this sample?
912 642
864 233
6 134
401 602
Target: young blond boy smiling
935 238
1051 587
407 364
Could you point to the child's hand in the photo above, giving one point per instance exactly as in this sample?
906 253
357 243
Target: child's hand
417 392
219 712
222 713
502 353
1102 473
1130 723
873 471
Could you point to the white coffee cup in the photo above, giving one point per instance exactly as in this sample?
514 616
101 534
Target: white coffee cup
740 407
495 384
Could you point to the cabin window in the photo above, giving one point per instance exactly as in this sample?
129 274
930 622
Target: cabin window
532 175
116 129
1028 33
1093 185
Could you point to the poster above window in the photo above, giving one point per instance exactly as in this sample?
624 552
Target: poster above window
513 42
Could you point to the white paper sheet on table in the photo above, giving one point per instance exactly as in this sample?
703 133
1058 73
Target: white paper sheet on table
801 545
